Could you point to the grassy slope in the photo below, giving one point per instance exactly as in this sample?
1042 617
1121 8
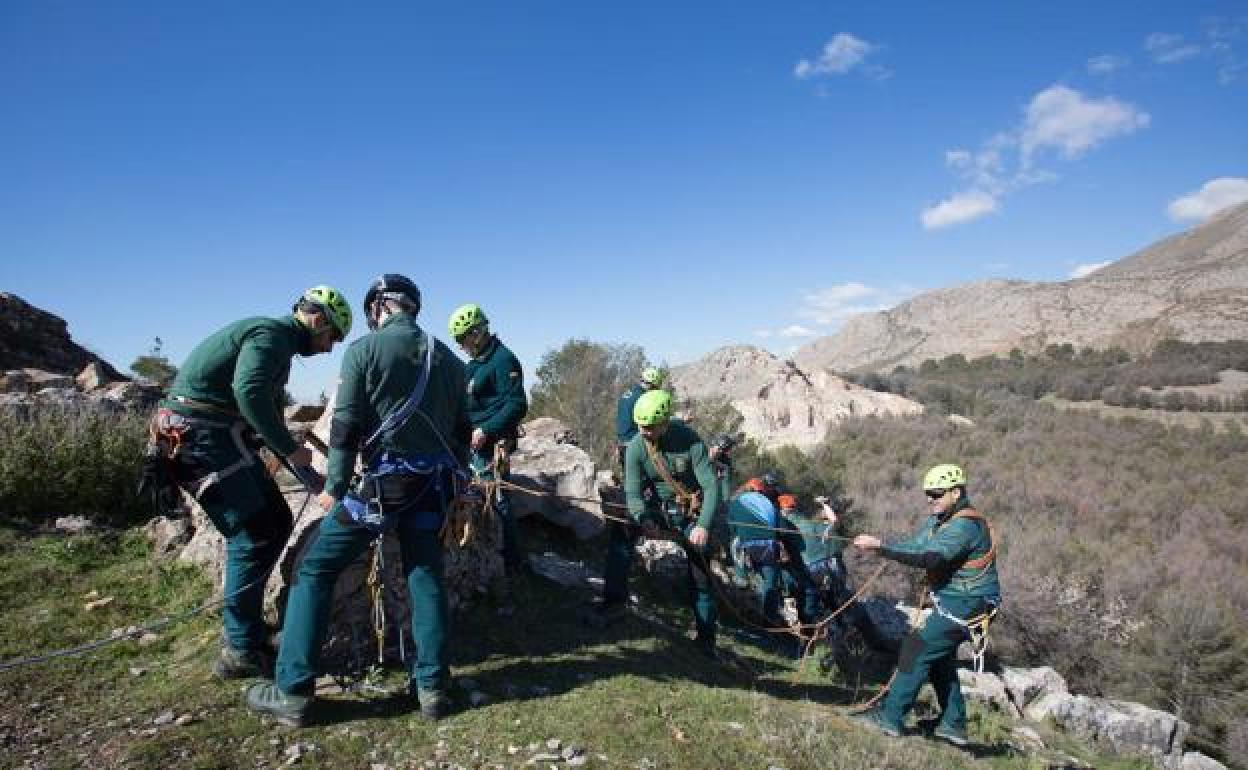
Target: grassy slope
638 695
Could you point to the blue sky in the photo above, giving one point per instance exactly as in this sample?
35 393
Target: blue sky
676 175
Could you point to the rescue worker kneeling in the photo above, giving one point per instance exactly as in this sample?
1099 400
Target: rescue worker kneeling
399 405
753 522
955 544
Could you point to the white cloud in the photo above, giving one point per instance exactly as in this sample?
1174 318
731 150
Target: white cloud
1166 48
832 305
839 56
1106 64
762 333
796 330
1064 119
1212 197
963 207
1081 270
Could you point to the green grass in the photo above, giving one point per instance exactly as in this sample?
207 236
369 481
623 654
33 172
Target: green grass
638 694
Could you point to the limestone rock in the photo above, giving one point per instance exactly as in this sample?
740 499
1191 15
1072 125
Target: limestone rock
73 525
1192 286
781 403
1027 685
1126 728
92 377
563 481
168 536
1193 760
988 688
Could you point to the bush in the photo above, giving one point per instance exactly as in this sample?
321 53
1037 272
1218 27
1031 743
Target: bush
57 461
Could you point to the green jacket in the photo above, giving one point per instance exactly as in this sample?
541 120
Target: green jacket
687 462
243 369
811 543
625 428
494 396
379 371
942 545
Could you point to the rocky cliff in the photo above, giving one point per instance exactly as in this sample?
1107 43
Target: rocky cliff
781 403
31 338
1192 286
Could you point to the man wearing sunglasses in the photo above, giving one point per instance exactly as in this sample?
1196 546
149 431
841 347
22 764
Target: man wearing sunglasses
955 545
495 404
229 393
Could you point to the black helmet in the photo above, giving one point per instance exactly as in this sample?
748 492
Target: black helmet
392 285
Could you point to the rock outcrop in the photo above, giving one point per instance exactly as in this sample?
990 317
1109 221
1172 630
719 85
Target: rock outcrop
31 338
1192 286
781 403
24 390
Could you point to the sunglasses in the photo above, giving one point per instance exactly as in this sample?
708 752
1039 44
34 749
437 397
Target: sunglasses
935 494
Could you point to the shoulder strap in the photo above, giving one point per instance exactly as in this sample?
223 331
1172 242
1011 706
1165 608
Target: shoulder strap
395 421
656 457
988 558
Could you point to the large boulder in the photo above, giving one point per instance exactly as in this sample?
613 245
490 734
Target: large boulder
560 478
1028 686
1124 727
988 688
93 376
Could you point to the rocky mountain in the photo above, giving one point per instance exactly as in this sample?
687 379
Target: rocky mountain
1192 286
781 403
31 338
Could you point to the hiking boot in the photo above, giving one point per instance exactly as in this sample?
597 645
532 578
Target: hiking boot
954 735
243 664
876 721
434 704
290 710
605 614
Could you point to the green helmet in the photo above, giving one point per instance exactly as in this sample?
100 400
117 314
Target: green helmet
944 477
652 408
652 376
465 319
334 305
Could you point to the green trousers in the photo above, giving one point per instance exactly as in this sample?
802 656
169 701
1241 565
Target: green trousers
248 509
620 543
337 545
929 653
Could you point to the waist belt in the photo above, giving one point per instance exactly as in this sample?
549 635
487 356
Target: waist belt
204 406
168 429
398 485
759 552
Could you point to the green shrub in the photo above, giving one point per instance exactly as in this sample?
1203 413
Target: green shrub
56 462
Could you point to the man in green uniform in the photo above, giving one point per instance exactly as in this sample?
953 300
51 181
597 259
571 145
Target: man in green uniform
625 428
955 545
227 398
670 456
400 406
495 404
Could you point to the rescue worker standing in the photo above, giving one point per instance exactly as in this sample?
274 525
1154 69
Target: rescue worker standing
495 404
396 370
955 545
753 521
669 455
229 392
651 379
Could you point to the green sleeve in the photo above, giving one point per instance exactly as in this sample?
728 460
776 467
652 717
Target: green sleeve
705 474
256 386
347 425
509 385
948 546
633 472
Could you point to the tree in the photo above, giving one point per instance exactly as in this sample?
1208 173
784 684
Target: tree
155 365
580 384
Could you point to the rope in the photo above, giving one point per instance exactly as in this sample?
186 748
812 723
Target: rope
157 625
376 583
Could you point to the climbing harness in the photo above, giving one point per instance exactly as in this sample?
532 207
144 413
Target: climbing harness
976 627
